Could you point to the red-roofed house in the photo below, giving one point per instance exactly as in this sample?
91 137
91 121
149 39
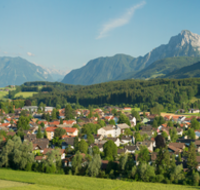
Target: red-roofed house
54 123
69 122
175 118
8 119
50 132
167 117
5 125
78 112
127 108
109 117
71 131
67 136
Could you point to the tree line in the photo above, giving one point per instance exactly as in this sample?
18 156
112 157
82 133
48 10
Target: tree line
170 93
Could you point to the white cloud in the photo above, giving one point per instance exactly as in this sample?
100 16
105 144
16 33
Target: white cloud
5 52
30 54
119 21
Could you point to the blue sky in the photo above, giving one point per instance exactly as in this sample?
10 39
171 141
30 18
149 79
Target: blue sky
66 34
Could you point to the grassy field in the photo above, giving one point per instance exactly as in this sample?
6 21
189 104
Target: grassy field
6 184
67 182
3 94
129 111
194 99
25 94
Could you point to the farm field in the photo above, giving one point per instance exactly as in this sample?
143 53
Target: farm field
32 181
25 94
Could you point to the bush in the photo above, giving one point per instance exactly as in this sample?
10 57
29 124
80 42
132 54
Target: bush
159 178
195 179
102 174
51 169
167 181
28 167
35 167
70 172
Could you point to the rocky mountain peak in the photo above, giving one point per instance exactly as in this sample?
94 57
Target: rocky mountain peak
185 38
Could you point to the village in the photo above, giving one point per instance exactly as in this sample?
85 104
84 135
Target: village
129 130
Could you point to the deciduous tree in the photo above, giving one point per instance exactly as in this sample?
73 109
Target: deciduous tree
94 165
83 146
110 149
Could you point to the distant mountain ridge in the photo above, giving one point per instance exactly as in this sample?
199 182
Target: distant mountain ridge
16 71
100 70
162 67
184 44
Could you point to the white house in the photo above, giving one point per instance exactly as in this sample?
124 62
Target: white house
131 149
148 144
109 131
133 121
31 108
181 119
123 126
193 111
127 139
179 131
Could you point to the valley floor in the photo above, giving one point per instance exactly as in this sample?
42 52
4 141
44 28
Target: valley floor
17 180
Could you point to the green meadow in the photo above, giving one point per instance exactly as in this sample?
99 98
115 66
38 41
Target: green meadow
18 180
25 94
3 94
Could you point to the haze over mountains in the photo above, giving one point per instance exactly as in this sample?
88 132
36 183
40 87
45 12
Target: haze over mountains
105 69
16 71
180 58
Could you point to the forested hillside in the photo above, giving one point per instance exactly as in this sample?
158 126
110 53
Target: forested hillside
171 93
186 72
165 66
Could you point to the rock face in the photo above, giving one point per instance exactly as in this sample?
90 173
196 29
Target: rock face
16 71
185 38
184 44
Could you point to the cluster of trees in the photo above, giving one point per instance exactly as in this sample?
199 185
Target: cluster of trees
17 155
29 88
163 170
159 120
8 106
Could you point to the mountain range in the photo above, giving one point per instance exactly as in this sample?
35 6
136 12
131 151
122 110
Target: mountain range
16 71
180 58
185 45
